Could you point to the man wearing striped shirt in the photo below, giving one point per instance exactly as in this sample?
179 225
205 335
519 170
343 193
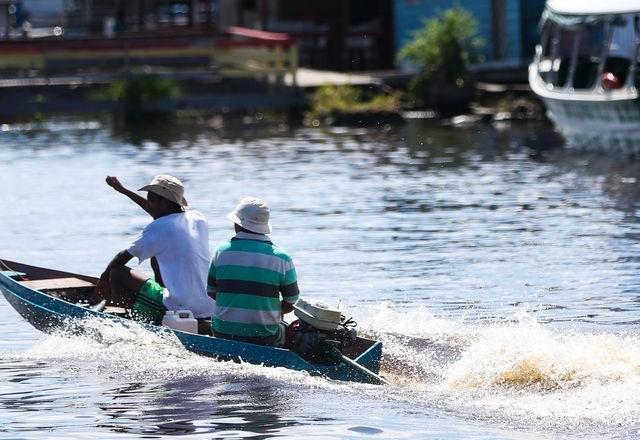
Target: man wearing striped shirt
253 280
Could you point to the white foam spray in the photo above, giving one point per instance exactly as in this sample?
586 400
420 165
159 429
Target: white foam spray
520 373
131 353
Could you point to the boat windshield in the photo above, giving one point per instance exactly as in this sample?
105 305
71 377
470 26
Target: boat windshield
590 54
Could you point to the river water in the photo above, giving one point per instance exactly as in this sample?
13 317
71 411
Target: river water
500 271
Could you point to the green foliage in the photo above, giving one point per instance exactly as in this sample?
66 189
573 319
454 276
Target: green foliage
138 90
328 100
37 118
447 44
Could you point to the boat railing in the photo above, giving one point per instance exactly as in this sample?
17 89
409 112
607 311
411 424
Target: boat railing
630 83
603 57
574 59
567 61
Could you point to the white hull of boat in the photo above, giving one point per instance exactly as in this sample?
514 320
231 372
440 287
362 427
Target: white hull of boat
598 126
593 120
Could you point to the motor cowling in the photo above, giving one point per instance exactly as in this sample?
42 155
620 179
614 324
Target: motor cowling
319 328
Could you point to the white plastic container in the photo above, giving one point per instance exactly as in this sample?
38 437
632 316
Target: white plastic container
182 320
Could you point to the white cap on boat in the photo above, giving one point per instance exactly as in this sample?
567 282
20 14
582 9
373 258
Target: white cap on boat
317 314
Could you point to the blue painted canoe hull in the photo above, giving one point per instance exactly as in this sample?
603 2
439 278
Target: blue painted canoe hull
48 313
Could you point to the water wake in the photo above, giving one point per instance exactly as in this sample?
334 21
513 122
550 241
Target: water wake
517 373
520 374
131 353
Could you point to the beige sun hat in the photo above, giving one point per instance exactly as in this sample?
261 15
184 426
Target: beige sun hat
168 187
252 214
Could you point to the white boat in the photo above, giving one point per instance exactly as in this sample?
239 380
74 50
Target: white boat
586 71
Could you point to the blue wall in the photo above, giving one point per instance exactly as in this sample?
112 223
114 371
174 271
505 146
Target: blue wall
410 14
531 13
513 46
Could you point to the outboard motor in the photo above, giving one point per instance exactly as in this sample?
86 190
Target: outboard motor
319 330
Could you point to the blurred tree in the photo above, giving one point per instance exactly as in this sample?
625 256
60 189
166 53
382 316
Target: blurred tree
443 50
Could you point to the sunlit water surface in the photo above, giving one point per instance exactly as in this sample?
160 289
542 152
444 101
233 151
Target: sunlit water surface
500 271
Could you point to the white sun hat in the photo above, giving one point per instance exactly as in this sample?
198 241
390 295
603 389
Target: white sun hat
168 187
252 214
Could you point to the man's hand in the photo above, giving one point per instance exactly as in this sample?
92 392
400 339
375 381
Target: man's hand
114 183
286 307
103 289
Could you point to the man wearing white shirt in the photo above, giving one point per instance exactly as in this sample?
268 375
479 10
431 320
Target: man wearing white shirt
177 241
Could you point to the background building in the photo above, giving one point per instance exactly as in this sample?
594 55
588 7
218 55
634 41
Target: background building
507 27
331 34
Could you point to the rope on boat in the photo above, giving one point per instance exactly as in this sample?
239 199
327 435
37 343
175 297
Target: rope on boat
22 277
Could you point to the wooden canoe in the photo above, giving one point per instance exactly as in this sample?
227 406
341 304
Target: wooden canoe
53 300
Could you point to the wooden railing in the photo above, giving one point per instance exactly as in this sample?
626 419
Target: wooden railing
250 52
239 52
54 56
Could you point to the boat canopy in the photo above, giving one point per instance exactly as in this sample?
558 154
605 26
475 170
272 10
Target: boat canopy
577 12
582 7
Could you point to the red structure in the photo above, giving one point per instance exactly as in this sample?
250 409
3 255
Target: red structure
331 34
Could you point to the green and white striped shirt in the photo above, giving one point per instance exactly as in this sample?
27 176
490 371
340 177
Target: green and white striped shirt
249 274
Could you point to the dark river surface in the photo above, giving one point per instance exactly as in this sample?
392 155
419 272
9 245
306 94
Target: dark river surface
501 271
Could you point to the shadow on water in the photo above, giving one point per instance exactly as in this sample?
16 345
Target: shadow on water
436 144
196 405
619 178
187 129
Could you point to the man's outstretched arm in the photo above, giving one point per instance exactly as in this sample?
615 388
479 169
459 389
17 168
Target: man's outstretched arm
114 183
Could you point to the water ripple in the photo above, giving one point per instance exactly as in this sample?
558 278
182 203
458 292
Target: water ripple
501 272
